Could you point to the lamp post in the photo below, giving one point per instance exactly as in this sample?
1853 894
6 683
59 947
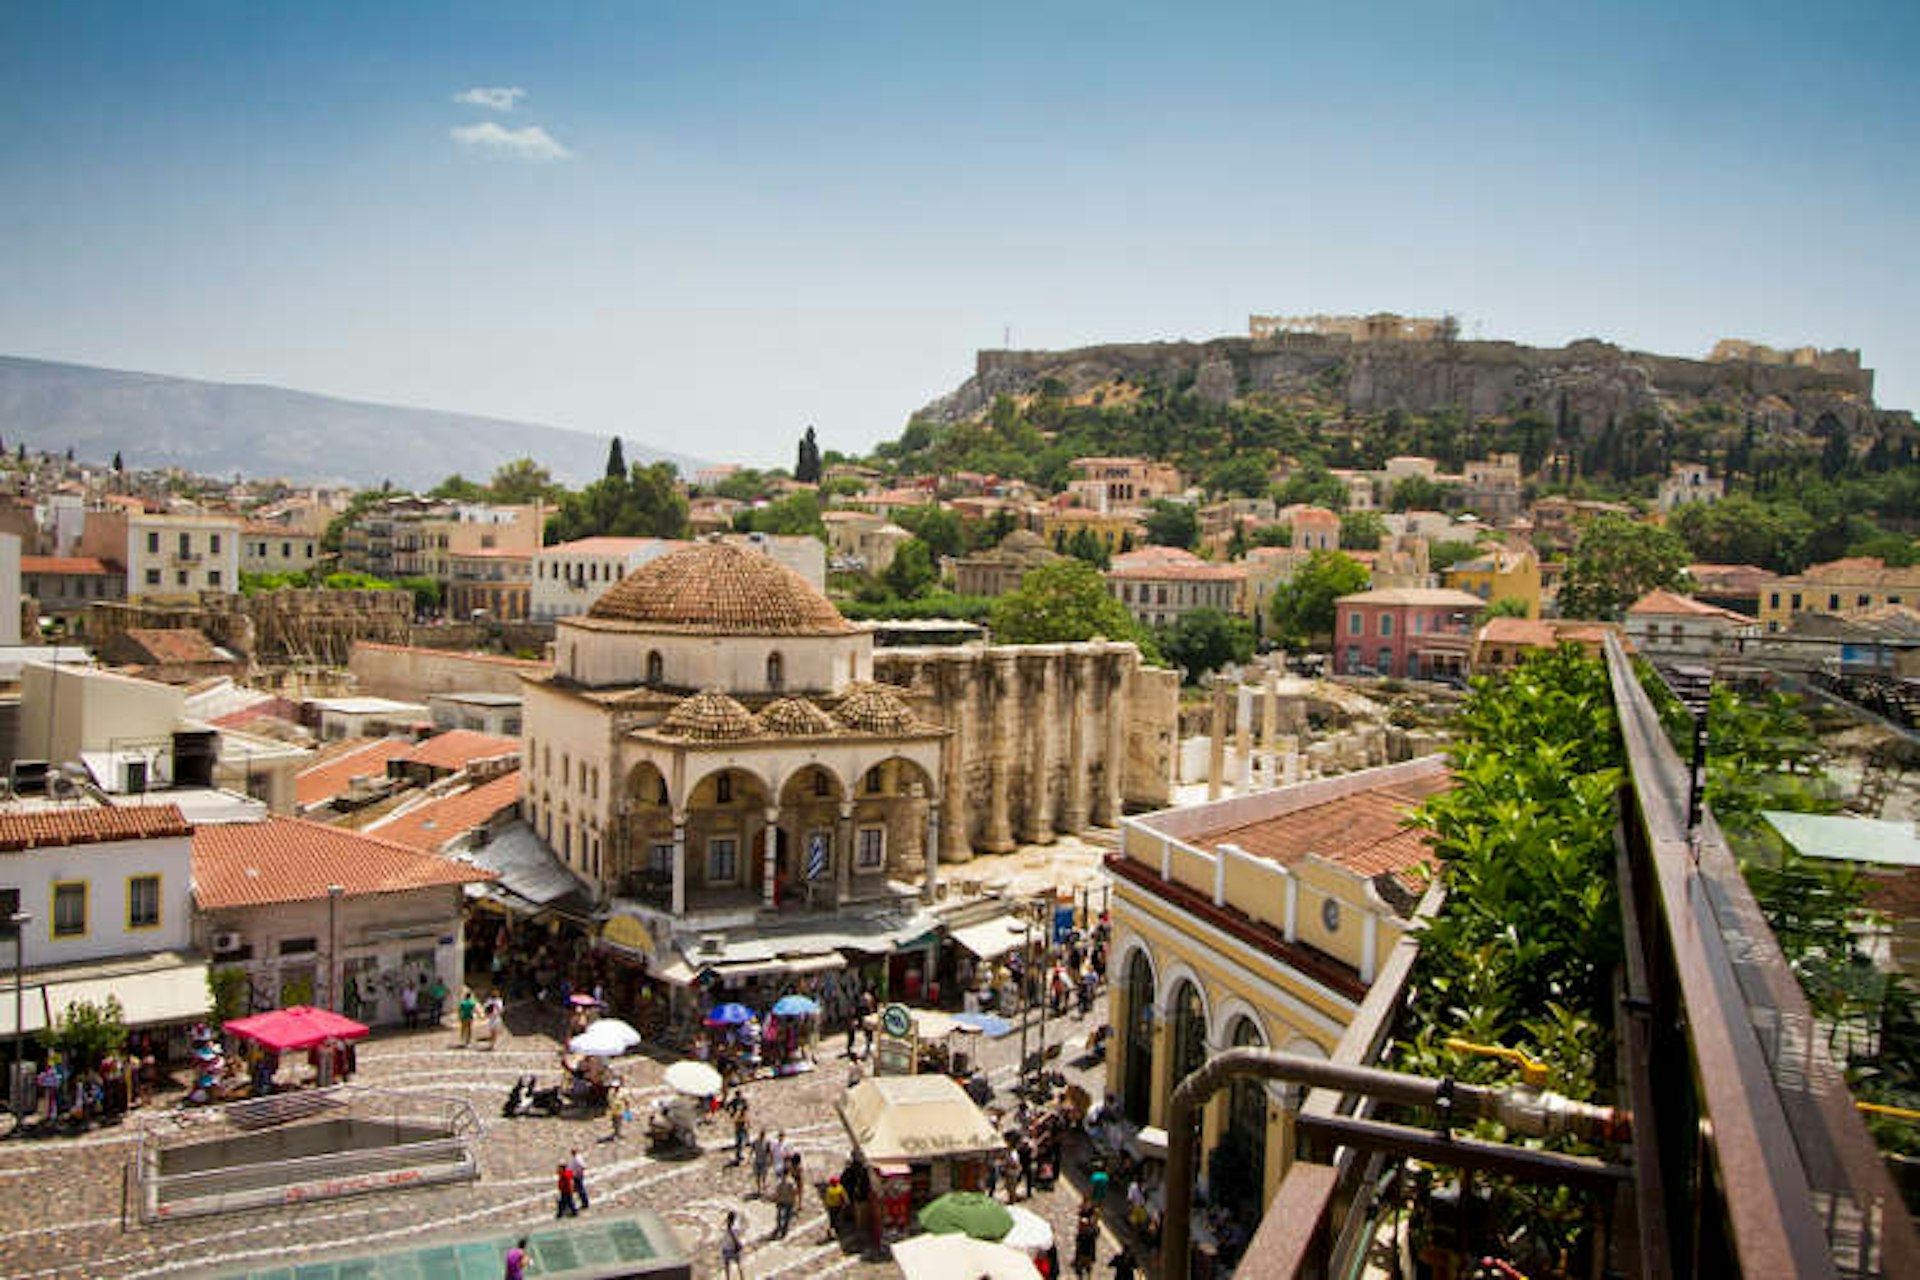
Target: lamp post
20 920
334 892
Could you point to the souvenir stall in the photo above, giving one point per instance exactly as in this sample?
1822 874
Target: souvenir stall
926 1124
788 1042
325 1036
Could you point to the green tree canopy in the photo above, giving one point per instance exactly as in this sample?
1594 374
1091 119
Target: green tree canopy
1173 524
87 1032
1065 600
1507 607
1742 530
646 503
912 573
523 481
1315 485
1362 530
806 467
1304 608
796 515
1417 493
1204 640
1616 561
1246 475
459 488
937 526
616 460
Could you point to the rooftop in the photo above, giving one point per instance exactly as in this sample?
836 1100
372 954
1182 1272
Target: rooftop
88 823
716 588
1366 832
433 824
367 758
458 748
290 860
64 564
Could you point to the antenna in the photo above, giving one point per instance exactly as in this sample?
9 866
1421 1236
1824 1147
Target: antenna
1006 338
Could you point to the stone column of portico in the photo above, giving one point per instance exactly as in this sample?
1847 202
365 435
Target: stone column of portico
1107 803
843 854
930 887
1217 744
1041 719
951 690
1270 730
1243 739
770 860
679 864
1006 682
1073 817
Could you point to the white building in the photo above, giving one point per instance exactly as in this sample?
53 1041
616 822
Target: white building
1664 624
1689 482
175 556
569 577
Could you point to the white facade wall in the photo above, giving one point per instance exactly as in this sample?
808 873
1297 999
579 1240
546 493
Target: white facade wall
566 583
65 710
107 871
181 555
738 664
1678 635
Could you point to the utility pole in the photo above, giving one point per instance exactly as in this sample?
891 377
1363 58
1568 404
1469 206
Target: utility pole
1026 961
334 891
1043 908
20 920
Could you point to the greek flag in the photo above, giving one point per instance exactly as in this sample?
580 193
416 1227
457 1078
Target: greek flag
817 856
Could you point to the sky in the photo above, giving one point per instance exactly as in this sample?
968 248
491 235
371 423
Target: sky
704 227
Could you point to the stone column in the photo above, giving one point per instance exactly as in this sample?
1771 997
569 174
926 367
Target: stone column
1074 816
770 860
1107 813
1270 730
929 887
957 840
1217 744
843 853
1039 816
679 864
1006 681
1243 740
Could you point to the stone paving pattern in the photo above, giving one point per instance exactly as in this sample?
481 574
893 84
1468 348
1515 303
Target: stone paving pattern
61 1198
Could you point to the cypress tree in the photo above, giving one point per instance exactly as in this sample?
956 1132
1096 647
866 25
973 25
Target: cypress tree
616 461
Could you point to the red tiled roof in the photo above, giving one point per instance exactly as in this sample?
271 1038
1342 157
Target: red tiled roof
1365 832
432 825
1172 564
1526 631
324 781
276 708
172 645
63 564
458 748
606 546
526 664
246 864
45 828
1669 603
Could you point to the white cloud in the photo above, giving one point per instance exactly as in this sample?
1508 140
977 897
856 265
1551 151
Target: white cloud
493 99
530 143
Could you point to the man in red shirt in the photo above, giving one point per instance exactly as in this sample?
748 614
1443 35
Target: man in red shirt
563 1178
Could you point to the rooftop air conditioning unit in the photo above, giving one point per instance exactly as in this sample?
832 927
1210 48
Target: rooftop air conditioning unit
227 940
713 944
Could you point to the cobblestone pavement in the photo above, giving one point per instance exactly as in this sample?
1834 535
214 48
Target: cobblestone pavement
61 1198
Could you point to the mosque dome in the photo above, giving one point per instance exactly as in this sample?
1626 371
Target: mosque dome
720 588
795 718
709 716
874 708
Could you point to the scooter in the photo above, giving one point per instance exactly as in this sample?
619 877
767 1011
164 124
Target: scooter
524 1099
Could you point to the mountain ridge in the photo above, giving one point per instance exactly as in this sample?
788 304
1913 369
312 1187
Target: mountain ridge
263 430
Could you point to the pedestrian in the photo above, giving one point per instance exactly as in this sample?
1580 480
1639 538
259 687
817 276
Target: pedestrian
835 1198
1123 1264
1086 1240
1024 1154
853 1029
731 1248
409 1005
1136 1205
496 1019
993 1174
468 1006
579 1170
762 1161
517 1260
1051 1259
616 1109
563 1183
1097 1180
436 999
786 1195
740 1130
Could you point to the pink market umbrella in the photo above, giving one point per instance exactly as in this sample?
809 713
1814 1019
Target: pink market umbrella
300 1027
581 1000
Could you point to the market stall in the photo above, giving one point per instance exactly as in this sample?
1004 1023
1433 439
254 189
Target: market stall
327 1037
927 1123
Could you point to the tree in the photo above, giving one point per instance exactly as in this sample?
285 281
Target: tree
1088 546
1417 493
937 526
523 481
1507 607
806 467
1314 485
1743 530
912 571
616 460
1304 608
88 1032
646 503
1062 601
1173 524
458 488
426 594
796 515
1246 475
1362 530
118 465
1204 640
1616 561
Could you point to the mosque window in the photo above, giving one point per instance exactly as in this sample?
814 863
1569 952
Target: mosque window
776 674
820 787
723 861
723 789
875 780
872 850
656 668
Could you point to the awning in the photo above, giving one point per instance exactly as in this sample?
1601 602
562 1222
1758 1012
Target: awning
906 1118
155 994
990 939
1871 840
531 879
300 1027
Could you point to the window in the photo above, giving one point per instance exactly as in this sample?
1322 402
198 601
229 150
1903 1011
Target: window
1353 658
1419 622
143 902
9 908
186 545
1863 601
213 543
1354 624
299 946
723 862
1773 600
180 577
309 551
775 672
286 550
1386 624
153 577
1833 603
871 852
819 782
1386 661
213 577
69 909
875 780
660 860
656 668
1796 600
723 789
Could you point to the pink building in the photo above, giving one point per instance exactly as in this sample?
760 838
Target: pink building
1418 632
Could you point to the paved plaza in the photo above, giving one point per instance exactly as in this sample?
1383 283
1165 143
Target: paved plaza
61 1198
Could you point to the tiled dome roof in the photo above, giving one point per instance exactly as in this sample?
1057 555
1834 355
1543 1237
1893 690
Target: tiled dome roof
874 708
714 587
795 718
709 716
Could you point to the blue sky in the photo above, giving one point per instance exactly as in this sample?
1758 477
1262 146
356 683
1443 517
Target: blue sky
705 227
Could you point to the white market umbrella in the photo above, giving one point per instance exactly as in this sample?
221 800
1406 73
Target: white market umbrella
1030 1233
607 1038
955 1257
695 1079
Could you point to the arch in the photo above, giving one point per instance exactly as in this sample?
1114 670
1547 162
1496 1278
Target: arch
1173 976
698 789
1186 1009
1237 1167
1136 1078
1232 1011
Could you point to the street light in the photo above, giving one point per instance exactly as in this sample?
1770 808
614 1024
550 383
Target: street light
20 920
334 891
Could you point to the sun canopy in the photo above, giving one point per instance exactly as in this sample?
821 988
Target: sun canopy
892 1119
300 1027
932 1257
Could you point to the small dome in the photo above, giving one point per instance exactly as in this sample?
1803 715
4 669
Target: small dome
709 716
795 718
874 708
717 587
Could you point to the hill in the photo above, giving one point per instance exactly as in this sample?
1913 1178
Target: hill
214 428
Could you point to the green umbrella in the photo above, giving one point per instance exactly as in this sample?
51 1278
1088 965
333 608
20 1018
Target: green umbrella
972 1213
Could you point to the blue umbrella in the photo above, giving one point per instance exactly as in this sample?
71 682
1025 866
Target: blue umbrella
986 1023
795 1006
729 1015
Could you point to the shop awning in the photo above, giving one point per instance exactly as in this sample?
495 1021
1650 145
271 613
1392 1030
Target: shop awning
990 939
531 879
907 1118
1870 840
153 991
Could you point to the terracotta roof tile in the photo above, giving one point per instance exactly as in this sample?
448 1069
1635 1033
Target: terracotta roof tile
458 748
173 645
709 716
795 718
1365 832
245 864
64 564
93 824
874 708
432 825
1670 603
717 588
332 776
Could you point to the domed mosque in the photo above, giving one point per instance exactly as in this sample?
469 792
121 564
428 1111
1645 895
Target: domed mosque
711 743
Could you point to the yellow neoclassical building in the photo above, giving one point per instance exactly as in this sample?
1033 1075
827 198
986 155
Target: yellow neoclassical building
1256 920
